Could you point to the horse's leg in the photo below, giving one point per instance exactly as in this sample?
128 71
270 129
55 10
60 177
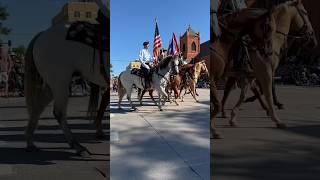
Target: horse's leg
121 93
227 89
38 105
265 79
60 95
151 95
275 98
193 92
176 94
103 105
257 94
129 98
141 95
214 109
235 110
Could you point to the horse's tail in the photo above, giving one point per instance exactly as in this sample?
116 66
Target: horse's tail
34 88
121 89
93 101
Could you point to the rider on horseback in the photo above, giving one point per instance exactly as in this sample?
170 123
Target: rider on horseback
239 52
145 58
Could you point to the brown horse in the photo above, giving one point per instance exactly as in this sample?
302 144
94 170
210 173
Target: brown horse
259 25
290 17
196 71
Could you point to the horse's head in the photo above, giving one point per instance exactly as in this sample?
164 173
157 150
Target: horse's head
169 62
204 68
302 26
175 64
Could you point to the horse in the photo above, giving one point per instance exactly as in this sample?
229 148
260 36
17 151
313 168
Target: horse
198 69
290 17
160 78
50 62
259 25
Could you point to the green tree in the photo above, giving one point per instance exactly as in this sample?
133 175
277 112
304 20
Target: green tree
20 51
4 14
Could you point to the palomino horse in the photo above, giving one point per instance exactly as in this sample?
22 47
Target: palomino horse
160 78
290 17
50 62
198 69
259 25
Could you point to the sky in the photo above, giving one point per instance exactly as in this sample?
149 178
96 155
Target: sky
28 17
133 22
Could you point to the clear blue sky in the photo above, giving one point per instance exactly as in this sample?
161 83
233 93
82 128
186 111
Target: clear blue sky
28 17
132 23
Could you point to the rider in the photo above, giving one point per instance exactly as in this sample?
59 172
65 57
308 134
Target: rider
232 6
145 58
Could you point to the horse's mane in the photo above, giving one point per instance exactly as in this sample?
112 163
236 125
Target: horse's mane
165 62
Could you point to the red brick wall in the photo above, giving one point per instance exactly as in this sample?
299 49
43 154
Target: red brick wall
188 40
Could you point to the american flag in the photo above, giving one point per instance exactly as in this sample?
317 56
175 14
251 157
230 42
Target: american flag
157 43
173 46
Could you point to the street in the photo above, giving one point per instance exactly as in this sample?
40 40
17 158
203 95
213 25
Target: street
55 160
258 150
172 144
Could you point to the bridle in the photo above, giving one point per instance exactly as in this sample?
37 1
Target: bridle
301 33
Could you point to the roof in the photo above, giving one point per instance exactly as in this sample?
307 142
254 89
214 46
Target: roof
190 32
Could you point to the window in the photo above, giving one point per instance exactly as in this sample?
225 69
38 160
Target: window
77 14
88 15
194 47
184 48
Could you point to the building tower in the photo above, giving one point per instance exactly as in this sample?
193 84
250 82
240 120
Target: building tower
190 44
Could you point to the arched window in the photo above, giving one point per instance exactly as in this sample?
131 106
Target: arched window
184 48
194 47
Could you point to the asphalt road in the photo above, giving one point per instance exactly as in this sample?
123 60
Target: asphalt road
55 160
256 150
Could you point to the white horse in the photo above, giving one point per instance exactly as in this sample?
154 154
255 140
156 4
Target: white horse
50 62
160 80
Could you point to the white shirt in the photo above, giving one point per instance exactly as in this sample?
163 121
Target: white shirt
145 57
104 6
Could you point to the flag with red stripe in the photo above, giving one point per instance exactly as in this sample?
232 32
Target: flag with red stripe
157 43
173 46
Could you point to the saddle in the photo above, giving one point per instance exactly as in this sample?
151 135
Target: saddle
95 36
137 72
88 34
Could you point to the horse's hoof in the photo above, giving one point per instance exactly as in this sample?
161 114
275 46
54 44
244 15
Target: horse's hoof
83 153
280 106
197 101
216 136
160 109
100 135
233 124
32 148
281 125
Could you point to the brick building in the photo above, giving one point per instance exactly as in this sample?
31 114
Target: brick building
80 10
190 44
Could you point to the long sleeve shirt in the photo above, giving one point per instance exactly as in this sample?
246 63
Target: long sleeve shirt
145 57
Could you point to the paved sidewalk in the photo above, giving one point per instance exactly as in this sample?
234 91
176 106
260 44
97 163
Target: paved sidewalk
173 144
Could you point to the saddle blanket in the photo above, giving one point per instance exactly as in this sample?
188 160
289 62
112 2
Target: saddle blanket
137 72
88 34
